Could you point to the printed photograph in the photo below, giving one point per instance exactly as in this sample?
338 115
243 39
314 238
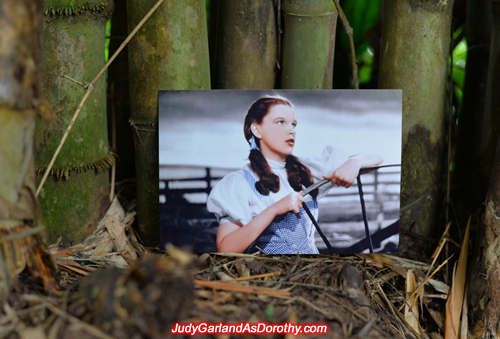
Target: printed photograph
280 171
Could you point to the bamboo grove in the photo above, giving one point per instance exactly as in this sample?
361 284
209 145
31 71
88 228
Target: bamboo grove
449 165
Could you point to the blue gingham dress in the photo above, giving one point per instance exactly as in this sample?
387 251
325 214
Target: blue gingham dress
236 200
288 233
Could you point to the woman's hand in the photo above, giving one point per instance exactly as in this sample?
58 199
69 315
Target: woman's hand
346 173
292 202
235 237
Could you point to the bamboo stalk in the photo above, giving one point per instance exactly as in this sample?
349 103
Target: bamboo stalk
90 87
308 44
235 68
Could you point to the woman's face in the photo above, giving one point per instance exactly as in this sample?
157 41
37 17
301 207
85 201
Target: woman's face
276 132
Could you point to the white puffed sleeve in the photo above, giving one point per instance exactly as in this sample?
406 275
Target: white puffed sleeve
331 159
231 200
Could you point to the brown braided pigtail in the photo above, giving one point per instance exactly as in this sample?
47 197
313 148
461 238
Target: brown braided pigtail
269 182
299 175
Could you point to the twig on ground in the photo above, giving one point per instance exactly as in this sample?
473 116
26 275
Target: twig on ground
240 288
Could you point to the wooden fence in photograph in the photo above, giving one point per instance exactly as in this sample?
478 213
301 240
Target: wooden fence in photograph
185 220
379 186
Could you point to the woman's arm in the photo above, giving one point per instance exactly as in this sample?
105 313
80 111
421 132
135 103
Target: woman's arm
235 237
349 170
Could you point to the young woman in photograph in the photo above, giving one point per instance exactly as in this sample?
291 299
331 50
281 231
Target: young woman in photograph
259 208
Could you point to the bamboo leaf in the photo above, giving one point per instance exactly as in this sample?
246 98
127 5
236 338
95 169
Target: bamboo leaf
465 326
411 307
116 230
456 296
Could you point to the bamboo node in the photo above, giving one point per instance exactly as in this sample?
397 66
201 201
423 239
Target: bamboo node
72 10
64 172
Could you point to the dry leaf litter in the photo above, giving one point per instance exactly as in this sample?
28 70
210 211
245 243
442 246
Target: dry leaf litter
110 286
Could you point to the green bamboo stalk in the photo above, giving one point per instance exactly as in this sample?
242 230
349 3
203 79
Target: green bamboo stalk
308 44
169 52
76 195
246 44
414 57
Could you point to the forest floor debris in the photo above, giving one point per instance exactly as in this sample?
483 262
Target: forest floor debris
355 296
112 287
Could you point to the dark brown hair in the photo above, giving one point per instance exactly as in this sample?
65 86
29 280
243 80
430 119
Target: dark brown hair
298 174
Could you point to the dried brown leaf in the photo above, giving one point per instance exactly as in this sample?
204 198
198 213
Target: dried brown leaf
117 232
411 307
64 253
456 296
464 331
439 286
383 261
116 209
103 248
